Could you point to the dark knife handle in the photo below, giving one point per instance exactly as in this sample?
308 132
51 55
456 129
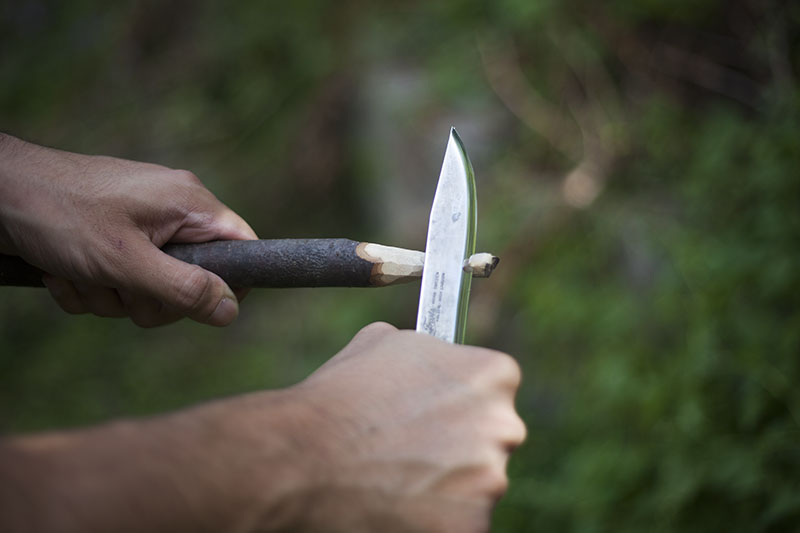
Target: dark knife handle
244 264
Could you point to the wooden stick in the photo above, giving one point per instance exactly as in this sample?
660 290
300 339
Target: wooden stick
278 263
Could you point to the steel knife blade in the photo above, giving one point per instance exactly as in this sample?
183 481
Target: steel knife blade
444 295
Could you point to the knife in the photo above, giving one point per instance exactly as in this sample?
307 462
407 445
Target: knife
444 293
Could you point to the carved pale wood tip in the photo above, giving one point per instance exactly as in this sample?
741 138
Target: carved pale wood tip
481 265
398 265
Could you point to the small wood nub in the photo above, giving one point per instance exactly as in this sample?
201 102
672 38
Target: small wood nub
481 265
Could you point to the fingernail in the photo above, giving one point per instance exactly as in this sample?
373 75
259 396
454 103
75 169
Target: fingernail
229 294
226 312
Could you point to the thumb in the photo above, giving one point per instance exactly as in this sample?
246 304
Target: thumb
187 289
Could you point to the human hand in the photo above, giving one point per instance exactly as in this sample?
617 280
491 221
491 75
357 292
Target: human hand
95 225
418 433
398 432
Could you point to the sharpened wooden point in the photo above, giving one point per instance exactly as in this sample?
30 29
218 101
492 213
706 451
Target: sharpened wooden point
398 265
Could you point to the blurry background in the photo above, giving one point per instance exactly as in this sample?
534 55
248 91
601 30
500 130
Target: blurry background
638 173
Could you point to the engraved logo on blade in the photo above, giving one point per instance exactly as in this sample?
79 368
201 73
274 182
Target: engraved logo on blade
431 319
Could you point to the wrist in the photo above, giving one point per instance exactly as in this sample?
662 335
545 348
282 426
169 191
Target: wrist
6 147
267 442
22 167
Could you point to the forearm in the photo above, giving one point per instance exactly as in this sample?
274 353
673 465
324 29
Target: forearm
191 471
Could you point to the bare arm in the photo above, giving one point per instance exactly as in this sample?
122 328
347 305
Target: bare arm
397 432
180 472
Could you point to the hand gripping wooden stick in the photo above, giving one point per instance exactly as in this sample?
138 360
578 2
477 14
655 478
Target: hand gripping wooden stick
276 263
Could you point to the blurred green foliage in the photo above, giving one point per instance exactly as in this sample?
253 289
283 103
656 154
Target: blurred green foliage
637 168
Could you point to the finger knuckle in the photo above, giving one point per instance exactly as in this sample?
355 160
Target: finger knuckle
67 300
495 481
144 321
193 291
72 307
497 368
519 432
142 310
506 427
376 332
377 328
106 312
186 176
101 301
506 370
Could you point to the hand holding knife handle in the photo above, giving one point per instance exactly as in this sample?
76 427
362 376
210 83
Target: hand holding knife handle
283 263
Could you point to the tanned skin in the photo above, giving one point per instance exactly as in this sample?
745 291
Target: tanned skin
397 432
